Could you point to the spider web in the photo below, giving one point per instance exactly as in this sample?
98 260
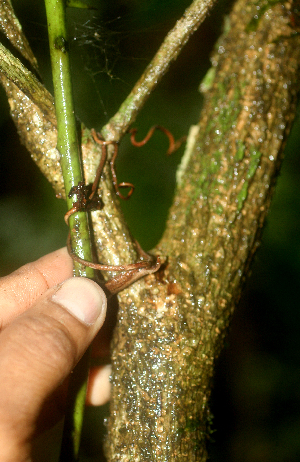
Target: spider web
102 43
112 53
101 46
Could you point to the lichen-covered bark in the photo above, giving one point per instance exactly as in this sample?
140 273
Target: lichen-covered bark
12 29
171 326
170 330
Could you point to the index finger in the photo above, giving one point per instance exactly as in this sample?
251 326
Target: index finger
20 289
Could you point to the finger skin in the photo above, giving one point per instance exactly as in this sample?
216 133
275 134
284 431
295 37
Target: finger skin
38 350
99 387
20 289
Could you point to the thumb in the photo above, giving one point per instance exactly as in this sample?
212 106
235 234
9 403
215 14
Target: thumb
38 350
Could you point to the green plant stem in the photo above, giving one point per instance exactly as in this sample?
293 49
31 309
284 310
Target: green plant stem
67 144
172 45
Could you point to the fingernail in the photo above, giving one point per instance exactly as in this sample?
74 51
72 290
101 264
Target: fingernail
82 298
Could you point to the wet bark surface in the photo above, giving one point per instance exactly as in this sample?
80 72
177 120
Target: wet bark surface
171 328
171 325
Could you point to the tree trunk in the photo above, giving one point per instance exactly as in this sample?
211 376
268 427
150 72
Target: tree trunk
171 329
171 325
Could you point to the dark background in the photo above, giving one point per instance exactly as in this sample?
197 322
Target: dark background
256 398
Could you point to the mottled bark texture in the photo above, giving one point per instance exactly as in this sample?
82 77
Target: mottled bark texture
171 330
171 326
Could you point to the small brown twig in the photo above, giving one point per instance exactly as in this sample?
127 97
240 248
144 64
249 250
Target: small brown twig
129 273
173 145
117 185
87 199
101 267
115 181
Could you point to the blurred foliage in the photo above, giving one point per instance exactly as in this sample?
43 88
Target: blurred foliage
256 395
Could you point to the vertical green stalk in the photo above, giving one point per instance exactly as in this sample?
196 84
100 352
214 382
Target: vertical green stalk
67 144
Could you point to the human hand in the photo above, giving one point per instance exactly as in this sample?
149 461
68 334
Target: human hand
46 325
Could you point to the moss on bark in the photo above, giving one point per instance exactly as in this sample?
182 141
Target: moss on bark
171 326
